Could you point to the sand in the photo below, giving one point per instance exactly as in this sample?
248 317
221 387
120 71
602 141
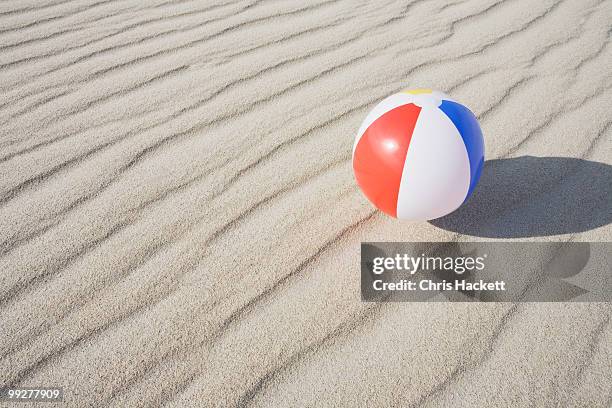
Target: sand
179 223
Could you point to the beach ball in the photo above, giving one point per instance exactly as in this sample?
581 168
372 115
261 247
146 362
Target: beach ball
418 155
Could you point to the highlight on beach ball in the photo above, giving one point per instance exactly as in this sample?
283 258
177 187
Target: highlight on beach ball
418 155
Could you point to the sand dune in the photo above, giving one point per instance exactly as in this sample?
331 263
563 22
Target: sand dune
179 222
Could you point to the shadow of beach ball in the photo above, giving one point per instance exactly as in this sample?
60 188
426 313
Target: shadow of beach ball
535 196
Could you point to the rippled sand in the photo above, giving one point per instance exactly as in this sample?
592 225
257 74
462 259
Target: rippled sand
179 223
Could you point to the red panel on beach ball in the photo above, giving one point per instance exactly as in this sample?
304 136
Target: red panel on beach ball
380 156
